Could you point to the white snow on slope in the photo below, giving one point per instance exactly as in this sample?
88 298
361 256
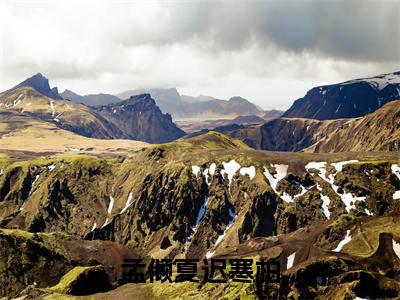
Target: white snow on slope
105 223
33 184
205 174
221 237
94 226
339 165
209 254
325 203
17 101
195 170
346 240
396 171
250 171
379 82
128 203
347 198
320 166
230 168
213 166
281 171
290 260
200 214
53 109
396 248
51 167
110 206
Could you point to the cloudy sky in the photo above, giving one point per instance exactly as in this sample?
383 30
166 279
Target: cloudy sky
270 52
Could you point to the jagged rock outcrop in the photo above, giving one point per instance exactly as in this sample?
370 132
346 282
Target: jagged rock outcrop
41 84
139 118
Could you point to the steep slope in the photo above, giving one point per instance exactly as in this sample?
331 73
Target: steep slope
136 118
91 100
378 131
41 84
213 196
67 115
348 99
139 118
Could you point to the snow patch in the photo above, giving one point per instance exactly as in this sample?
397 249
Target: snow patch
212 169
33 184
290 260
250 171
221 237
325 203
110 206
51 167
230 168
195 170
128 203
339 165
396 248
346 240
94 226
209 254
281 171
396 171
201 214
53 109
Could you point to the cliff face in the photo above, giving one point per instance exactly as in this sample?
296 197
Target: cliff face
212 196
139 118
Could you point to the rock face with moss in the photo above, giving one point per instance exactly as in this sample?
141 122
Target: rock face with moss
213 196
41 259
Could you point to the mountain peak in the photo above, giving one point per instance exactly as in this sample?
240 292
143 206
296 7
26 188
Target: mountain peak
41 84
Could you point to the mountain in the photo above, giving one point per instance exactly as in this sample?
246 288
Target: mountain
139 118
41 84
136 118
348 99
378 131
192 126
91 100
67 115
170 101
330 221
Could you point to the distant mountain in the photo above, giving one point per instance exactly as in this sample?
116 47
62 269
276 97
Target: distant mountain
139 118
202 126
348 99
378 131
136 118
91 100
40 84
170 101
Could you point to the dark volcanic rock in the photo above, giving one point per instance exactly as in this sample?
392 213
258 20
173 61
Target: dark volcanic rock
40 84
139 118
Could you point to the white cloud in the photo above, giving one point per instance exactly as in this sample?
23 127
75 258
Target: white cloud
267 52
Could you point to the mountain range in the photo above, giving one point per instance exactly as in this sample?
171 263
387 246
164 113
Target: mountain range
323 202
34 98
179 106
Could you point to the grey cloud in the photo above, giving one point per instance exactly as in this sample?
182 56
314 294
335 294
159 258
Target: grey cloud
352 29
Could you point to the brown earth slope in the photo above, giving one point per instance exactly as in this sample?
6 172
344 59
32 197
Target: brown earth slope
378 131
